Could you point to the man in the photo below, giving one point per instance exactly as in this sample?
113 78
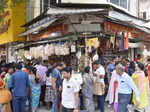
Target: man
70 92
18 84
125 87
8 76
56 84
41 71
99 84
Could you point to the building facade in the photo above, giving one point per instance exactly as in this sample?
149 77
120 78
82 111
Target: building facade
144 9
10 27
88 17
36 7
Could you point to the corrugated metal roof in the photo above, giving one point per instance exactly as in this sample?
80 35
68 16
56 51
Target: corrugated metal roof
45 25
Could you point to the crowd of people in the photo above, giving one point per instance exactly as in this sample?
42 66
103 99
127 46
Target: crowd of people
34 84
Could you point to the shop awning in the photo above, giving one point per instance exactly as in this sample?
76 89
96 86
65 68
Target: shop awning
38 27
62 11
129 23
147 25
69 36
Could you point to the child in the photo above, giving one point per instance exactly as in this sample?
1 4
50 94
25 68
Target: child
35 91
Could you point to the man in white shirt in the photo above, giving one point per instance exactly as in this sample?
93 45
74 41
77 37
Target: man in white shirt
125 87
99 84
70 92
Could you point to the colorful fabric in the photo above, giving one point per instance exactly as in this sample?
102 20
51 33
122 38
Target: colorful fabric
41 70
110 94
48 94
141 82
122 43
35 91
115 96
6 79
148 71
6 108
126 42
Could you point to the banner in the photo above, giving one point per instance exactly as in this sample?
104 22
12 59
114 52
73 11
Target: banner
92 42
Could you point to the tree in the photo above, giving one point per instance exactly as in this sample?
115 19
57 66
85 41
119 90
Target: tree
4 6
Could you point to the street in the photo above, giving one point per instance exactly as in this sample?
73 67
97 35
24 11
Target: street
108 108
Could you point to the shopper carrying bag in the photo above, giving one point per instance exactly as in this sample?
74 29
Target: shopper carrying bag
5 97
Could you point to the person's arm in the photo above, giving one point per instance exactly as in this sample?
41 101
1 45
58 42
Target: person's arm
54 85
11 82
76 101
133 86
28 82
76 93
140 82
102 73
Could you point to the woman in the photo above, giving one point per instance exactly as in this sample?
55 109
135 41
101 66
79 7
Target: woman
48 93
141 83
87 91
8 76
148 69
112 95
35 91
131 68
6 106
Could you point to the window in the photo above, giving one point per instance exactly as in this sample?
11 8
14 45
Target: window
121 3
45 4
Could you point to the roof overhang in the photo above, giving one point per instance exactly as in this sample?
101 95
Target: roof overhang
38 27
62 11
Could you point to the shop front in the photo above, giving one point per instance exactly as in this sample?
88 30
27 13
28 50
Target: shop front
10 26
127 40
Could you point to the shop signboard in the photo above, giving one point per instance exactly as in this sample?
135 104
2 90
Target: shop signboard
91 42
116 28
11 22
50 32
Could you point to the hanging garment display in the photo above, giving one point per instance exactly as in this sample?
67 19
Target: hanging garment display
112 41
108 44
49 50
102 47
27 54
126 41
73 47
122 43
41 51
62 49
92 42
46 50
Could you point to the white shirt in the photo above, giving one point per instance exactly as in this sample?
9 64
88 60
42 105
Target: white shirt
48 81
100 71
68 93
126 85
